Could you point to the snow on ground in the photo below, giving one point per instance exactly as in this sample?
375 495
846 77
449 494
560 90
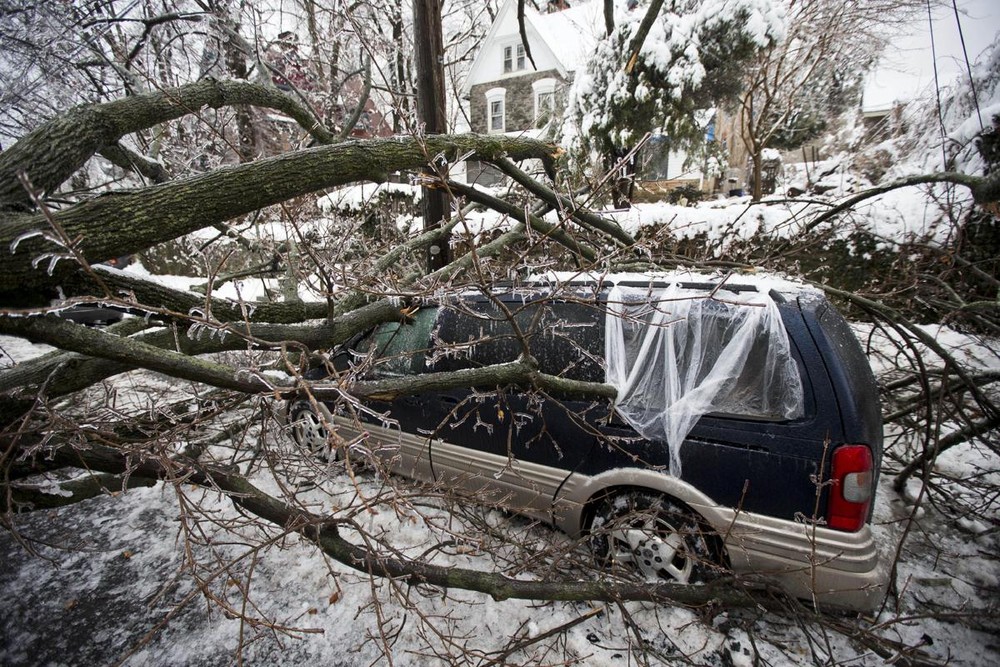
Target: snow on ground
112 581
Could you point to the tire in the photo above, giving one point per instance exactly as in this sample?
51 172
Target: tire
644 535
308 430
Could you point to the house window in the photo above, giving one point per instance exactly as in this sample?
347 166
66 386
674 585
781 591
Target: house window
513 58
543 109
496 120
496 116
544 90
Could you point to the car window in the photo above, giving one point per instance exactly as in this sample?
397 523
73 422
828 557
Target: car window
565 337
400 348
754 393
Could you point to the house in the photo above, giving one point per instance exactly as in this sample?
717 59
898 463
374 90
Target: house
507 94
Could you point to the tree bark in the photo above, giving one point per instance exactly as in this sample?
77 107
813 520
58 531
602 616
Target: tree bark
429 47
56 150
122 223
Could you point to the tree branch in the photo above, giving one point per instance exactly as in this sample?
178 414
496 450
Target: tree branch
325 533
512 374
56 150
555 233
122 223
94 355
640 35
985 192
587 219
129 160
53 495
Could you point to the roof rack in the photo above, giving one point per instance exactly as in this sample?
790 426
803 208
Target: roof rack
734 288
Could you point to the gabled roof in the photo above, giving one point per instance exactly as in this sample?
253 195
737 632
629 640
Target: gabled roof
567 37
572 33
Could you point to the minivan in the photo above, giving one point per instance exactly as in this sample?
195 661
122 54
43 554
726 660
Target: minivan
765 470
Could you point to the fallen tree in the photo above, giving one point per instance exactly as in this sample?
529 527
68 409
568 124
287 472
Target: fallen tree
56 246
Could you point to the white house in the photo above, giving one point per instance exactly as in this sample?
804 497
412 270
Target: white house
507 95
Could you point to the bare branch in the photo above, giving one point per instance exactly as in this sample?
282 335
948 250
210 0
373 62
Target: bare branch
57 149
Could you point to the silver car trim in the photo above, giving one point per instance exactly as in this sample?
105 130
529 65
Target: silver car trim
834 567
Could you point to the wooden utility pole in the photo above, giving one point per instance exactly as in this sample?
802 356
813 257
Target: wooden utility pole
429 47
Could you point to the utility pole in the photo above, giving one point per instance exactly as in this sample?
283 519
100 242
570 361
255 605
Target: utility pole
429 46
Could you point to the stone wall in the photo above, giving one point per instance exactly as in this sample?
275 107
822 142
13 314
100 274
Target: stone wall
520 100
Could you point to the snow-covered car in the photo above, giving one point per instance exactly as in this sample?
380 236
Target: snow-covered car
746 434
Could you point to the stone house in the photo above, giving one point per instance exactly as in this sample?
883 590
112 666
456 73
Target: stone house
506 94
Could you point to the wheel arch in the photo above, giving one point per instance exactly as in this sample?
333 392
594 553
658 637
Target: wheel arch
712 536
585 496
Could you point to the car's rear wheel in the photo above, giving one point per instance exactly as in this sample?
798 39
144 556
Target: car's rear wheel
646 535
308 429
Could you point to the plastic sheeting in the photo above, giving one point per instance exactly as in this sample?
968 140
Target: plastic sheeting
675 355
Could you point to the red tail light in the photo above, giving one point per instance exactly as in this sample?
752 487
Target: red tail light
851 491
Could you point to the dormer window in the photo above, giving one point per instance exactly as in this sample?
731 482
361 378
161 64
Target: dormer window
513 58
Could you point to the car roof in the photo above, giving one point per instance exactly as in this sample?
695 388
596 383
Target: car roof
781 290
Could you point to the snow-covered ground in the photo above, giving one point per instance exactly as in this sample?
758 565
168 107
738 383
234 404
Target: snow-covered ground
129 578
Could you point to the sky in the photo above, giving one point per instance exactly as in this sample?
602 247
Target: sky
907 68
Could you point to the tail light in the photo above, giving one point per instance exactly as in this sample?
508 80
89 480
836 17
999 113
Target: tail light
851 490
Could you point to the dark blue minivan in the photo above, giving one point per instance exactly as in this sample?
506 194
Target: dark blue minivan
766 471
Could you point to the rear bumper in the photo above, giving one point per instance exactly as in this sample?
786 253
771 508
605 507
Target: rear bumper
829 567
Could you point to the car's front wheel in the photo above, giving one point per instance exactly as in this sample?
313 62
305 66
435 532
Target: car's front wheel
309 430
643 534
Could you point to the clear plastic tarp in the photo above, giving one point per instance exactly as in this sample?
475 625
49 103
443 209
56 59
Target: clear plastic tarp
675 354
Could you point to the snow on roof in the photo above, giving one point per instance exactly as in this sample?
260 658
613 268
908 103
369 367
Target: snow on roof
571 33
763 282
564 38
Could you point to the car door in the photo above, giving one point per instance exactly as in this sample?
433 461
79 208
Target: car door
519 446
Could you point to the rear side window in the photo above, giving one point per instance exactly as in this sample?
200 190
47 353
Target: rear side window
566 338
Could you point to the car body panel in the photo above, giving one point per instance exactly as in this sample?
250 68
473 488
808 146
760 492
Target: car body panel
837 569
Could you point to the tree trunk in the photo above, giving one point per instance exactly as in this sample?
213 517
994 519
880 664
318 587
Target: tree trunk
756 174
246 139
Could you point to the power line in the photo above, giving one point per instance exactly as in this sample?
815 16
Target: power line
968 67
937 86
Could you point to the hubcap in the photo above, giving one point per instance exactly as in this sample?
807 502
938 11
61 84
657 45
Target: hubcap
308 431
656 551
